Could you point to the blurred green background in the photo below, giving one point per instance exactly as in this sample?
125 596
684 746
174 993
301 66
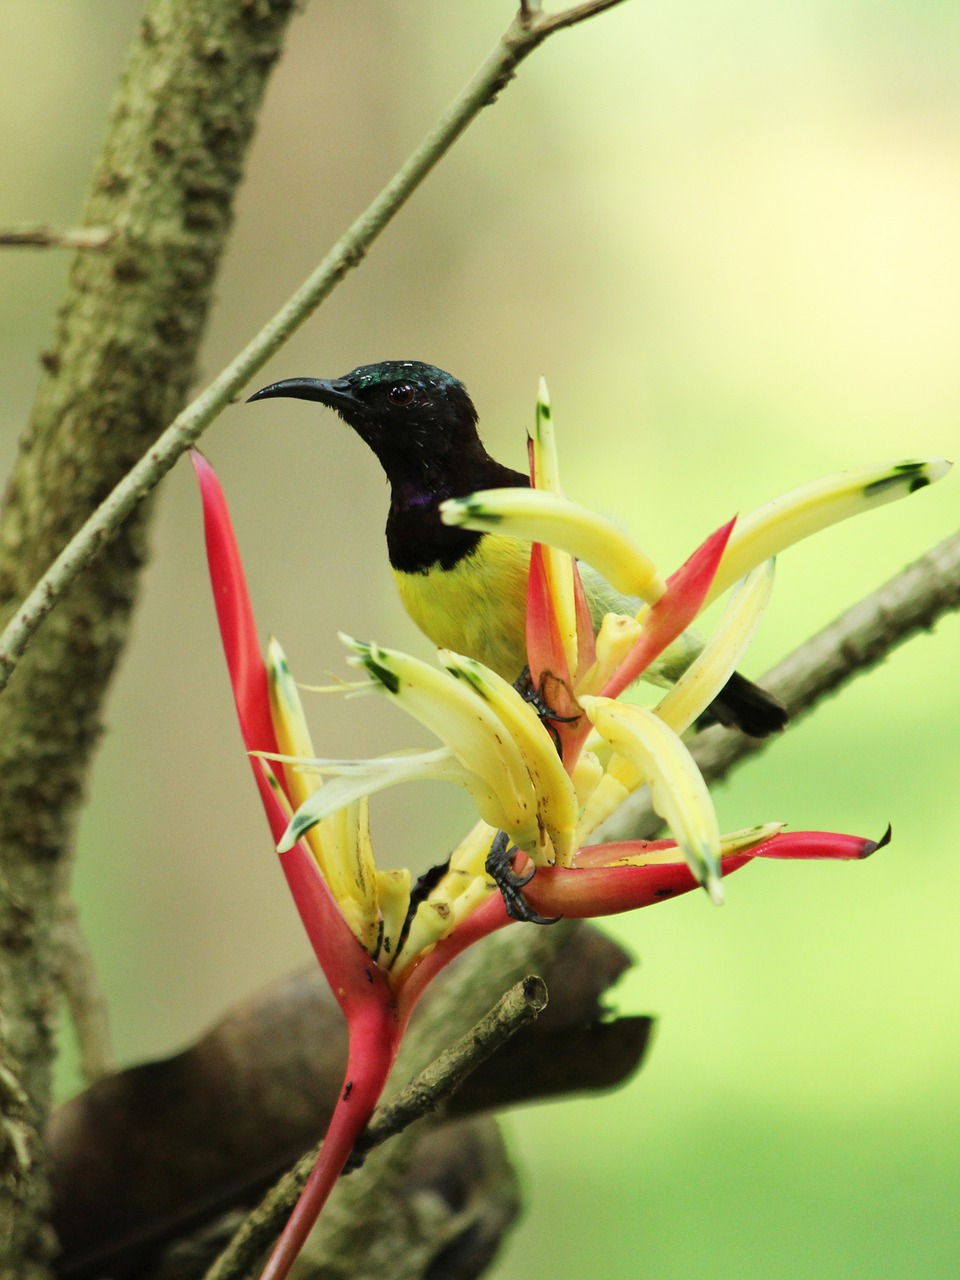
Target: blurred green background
729 236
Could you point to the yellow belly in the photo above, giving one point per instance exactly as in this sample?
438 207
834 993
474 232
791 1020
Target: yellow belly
477 608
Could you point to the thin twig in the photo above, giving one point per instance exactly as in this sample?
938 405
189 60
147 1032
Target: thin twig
85 999
546 24
43 237
526 32
423 1095
433 1086
855 642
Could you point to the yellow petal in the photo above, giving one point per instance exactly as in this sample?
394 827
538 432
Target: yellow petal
784 521
706 676
347 864
470 855
747 837
289 722
431 922
533 516
467 724
341 846
607 796
365 777
353 779
677 789
546 464
456 896
617 635
393 897
474 892
586 775
555 796
734 842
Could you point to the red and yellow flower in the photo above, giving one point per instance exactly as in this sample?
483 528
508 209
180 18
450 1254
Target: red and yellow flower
547 788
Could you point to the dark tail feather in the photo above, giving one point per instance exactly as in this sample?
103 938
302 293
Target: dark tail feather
743 705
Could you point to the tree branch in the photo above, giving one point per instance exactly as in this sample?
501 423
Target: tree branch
42 237
85 999
525 33
124 356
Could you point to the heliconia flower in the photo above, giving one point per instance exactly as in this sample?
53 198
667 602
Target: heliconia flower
542 784
646 745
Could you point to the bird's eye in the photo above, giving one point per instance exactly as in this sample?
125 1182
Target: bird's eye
401 393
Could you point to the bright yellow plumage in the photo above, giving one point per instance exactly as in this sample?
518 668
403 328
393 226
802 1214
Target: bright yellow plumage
478 607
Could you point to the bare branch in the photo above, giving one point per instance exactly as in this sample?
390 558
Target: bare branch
549 23
85 999
437 1082
528 30
43 237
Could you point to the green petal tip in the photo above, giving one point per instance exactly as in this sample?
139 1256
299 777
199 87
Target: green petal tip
295 831
714 887
912 475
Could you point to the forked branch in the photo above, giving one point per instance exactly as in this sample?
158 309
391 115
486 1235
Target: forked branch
528 30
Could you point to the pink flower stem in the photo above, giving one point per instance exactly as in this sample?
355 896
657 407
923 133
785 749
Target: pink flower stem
374 1040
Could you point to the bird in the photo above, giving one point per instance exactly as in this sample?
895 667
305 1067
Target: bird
467 590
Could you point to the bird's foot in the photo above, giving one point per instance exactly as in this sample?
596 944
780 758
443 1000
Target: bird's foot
499 866
537 697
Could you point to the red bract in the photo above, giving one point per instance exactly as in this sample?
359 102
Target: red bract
664 622
600 888
341 957
361 990
673 612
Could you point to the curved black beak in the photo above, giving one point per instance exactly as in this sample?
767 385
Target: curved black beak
334 392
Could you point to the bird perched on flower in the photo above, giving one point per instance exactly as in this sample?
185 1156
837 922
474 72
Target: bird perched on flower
467 590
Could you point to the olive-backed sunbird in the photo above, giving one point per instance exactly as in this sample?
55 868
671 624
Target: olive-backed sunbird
467 591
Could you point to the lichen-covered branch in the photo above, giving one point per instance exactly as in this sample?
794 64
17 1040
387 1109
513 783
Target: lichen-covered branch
119 369
529 29
42 237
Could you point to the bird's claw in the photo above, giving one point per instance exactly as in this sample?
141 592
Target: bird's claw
499 866
534 695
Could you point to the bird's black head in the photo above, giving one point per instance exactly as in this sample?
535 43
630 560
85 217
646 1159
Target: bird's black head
418 420
422 425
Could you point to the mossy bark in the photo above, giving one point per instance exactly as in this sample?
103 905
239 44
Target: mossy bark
119 370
